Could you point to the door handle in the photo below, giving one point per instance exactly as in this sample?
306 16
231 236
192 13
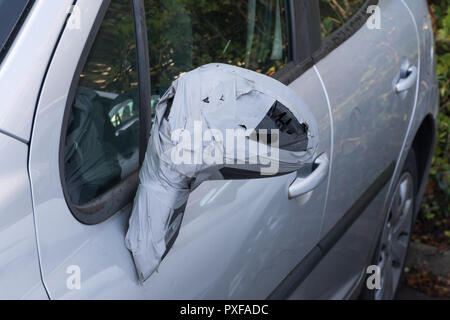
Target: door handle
407 81
304 185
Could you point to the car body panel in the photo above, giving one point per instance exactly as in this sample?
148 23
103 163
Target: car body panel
238 239
19 265
428 94
343 266
366 110
227 247
342 269
21 75
366 113
427 104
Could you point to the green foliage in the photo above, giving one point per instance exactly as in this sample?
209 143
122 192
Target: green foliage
185 34
112 62
436 204
334 13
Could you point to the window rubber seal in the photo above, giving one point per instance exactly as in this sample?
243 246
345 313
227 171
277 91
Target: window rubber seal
348 29
121 195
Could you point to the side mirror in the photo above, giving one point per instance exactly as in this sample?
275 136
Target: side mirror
215 122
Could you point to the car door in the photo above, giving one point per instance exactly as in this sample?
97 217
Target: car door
239 238
371 80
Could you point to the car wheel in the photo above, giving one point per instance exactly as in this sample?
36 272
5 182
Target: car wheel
390 255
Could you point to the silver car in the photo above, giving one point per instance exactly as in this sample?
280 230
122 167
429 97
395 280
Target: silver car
78 80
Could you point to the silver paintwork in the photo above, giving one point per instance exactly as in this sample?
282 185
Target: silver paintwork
269 236
370 124
339 273
344 266
238 239
366 109
19 265
23 68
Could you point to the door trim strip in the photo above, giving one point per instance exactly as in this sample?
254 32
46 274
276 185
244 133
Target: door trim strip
313 258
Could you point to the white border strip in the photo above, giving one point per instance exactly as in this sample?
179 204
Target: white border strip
399 164
330 112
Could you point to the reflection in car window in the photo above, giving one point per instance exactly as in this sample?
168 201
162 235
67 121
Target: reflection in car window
185 34
102 139
334 13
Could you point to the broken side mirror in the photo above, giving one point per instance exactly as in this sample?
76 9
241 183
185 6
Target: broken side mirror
215 122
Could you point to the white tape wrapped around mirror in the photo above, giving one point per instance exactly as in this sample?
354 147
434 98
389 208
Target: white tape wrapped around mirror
221 99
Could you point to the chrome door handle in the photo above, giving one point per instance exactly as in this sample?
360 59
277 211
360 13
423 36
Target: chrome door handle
304 185
408 81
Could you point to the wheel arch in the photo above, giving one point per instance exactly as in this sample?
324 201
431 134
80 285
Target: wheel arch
423 147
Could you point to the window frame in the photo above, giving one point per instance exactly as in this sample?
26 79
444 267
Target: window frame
344 32
306 37
122 194
119 196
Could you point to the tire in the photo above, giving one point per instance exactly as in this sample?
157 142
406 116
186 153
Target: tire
393 242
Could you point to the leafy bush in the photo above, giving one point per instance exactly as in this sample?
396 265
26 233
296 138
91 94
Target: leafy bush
436 204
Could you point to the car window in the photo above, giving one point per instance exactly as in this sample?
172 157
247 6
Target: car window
185 34
334 13
10 14
102 139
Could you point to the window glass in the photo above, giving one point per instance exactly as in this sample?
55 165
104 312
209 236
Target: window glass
102 139
10 13
334 13
185 34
